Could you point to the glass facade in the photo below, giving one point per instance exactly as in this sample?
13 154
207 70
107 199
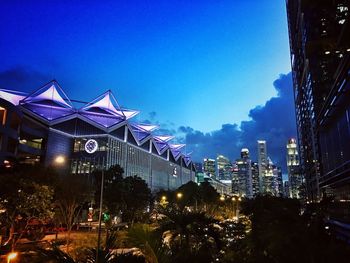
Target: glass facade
97 135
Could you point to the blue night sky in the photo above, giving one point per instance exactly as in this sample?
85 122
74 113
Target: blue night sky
207 71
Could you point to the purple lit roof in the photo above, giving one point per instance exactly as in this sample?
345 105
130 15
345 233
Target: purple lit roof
144 127
105 104
139 131
161 142
49 102
102 119
129 113
176 150
164 138
161 145
187 159
12 96
105 110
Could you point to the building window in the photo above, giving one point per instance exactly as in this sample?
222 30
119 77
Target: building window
3 113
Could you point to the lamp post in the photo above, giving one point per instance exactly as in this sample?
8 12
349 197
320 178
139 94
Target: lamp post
100 212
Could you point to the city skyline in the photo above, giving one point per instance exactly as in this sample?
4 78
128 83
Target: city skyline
96 66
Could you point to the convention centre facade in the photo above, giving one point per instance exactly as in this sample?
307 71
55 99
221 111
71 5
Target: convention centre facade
46 126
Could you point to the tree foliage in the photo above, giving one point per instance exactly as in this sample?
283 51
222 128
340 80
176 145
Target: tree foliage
24 195
128 196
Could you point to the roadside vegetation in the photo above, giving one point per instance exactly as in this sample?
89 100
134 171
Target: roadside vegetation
191 224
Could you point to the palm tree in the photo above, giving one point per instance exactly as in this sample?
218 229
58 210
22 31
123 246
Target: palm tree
189 231
150 242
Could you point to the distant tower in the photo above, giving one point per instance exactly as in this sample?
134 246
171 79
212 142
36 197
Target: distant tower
224 168
209 167
294 175
244 173
255 178
263 163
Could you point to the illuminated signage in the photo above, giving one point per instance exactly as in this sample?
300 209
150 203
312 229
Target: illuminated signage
91 146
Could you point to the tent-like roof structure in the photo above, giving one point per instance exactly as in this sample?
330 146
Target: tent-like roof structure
49 102
161 142
176 150
51 105
141 131
12 96
105 110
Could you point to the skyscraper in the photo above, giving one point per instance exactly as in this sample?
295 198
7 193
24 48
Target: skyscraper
320 58
209 167
255 178
244 179
294 176
224 168
262 162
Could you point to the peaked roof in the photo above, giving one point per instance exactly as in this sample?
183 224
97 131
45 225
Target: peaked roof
164 138
49 102
50 94
139 132
161 142
187 158
105 110
129 113
104 104
176 150
12 96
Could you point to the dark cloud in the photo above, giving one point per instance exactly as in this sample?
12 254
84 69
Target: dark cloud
273 122
22 78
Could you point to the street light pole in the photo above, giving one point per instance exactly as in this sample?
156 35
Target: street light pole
100 213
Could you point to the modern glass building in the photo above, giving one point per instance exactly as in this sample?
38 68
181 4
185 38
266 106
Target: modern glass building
294 176
45 126
320 58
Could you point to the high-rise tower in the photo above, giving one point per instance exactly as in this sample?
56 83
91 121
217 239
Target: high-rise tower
294 176
263 163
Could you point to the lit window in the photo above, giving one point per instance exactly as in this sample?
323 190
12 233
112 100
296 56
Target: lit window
3 113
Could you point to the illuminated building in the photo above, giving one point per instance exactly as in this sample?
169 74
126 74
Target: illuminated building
255 178
97 134
209 167
294 176
244 182
224 168
320 59
263 163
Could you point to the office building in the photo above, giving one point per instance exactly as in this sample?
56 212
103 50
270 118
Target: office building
255 178
44 126
223 168
319 45
263 163
320 58
295 178
243 181
209 167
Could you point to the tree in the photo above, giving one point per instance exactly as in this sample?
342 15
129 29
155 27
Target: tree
192 234
191 195
150 242
71 193
25 194
130 195
136 196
